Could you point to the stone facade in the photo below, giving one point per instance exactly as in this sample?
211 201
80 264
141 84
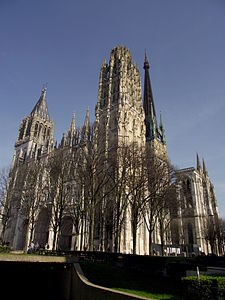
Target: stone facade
198 209
122 119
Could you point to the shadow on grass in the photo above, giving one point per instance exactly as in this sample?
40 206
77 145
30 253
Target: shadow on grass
130 281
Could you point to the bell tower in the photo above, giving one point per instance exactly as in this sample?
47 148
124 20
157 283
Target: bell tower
36 133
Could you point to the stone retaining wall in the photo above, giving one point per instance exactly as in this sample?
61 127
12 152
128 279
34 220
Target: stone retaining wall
82 289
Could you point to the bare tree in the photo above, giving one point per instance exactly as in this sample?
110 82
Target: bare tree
93 174
56 178
76 209
12 200
137 185
4 203
119 197
210 233
32 196
219 235
157 199
168 206
223 236
4 174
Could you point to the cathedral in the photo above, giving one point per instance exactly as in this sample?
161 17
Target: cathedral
107 186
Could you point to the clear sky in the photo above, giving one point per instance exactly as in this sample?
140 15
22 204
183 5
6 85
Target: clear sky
64 43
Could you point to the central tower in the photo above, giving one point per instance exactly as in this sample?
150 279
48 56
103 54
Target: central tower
119 110
120 125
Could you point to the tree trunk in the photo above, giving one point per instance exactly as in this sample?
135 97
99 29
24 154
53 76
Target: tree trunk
150 242
26 238
92 223
82 232
134 224
162 237
54 239
134 233
117 229
117 239
103 233
134 239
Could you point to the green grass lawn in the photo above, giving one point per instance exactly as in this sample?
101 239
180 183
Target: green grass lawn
23 257
129 281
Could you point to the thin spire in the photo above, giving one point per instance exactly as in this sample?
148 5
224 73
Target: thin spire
72 125
72 131
79 135
149 106
152 125
204 168
146 64
86 127
40 107
199 167
44 89
86 122
163 137
161 122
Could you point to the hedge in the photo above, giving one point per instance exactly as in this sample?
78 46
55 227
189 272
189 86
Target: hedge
4 249
208 287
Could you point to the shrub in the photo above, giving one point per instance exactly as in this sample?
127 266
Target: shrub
4 249
208 287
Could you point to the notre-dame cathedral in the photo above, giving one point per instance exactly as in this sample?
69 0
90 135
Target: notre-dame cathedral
71 196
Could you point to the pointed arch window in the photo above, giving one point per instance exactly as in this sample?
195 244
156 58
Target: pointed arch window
44 133
28 128
36 130
22 130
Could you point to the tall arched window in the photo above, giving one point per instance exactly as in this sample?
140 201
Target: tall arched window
190 234
36 130
44 133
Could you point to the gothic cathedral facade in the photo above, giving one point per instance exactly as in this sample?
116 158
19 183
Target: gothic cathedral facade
122 117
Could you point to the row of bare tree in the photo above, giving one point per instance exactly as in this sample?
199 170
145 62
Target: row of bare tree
99 190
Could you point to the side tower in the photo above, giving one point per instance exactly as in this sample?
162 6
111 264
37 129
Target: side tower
35 138
36 133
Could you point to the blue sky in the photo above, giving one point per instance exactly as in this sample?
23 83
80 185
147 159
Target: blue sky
64 43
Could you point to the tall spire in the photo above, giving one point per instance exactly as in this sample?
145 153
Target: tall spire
152 125
41 109
162 130
149 106
199 167
204 168
86 122
86 127
79 135
72 129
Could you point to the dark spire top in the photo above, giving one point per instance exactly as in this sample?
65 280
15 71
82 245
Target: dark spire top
41 109
162 130
149 107
146 64
199 167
